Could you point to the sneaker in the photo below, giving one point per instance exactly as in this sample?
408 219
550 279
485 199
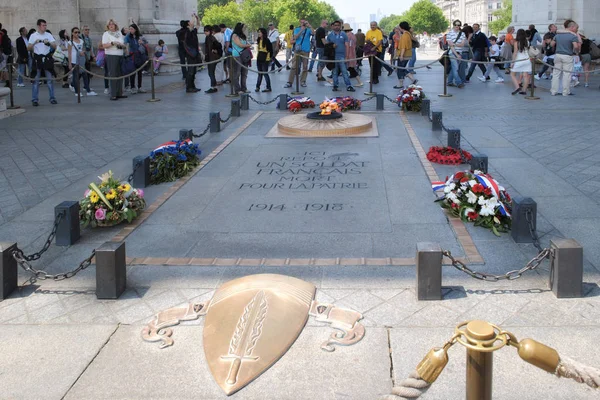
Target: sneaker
287 67
468 80
350 89
462 85
155 72
257 90
71 88
53 101
335 89
106 91
415 81
133 90
488 79
537 77
211 90
398 87
499 80
310 70
482 79
576 83
390 72
128 89
92 93
35 103
20 85
450 84
267 90
141 91
66 86
321 79
303 84
586 85
288 85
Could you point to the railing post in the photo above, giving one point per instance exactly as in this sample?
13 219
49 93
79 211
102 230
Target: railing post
78 87
111 270
141 168
436 121
245 102
429 271
8 269
479 162
152 87
520 226
445 94
532 95
379 99
232 92
372 74
186 134
566 274
11 87
297 92
480 364
235 108
68 231
283 100
454 138
425 107
215 122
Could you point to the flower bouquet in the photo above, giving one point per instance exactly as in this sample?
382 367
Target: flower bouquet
295 104
110 202
411 98
347 103
448 155
476 197
172 160
330 106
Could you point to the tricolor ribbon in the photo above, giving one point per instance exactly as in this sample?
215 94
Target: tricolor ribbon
171 144
487 181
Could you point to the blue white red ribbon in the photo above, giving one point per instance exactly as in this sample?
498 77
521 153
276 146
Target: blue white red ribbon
172 144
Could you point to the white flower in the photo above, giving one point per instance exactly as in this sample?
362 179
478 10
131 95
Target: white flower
492 202
482 201
467 211
486 211
477 172
472 182
449 188
452 196
471 197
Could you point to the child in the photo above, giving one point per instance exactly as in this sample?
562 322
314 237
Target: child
494 56
160 53
548 50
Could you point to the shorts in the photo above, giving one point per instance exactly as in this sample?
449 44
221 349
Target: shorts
585 58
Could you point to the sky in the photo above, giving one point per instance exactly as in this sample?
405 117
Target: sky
358 10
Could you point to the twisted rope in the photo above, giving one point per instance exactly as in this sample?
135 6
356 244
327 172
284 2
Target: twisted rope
568 368
257 71
410 388
407 67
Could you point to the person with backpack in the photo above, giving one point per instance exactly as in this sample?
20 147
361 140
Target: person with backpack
42 43
76 56
381 55
23 59
455 40
212 52
137 49
192 53
181 47
160 52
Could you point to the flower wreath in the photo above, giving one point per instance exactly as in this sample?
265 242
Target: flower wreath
347 103
295 104
447 155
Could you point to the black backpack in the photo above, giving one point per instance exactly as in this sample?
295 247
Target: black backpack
218 47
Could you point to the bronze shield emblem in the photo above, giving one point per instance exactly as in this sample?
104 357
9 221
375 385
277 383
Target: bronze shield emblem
244 334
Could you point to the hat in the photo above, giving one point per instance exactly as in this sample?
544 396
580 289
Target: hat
346 27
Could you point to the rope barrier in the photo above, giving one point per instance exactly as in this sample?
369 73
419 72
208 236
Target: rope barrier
333 61
192 65
110 78
410 388
257 71
407 68
579 372
59 78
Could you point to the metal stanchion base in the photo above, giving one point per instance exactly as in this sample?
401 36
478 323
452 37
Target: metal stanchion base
232 95
532 98
370 93
445 95
297 93
152 100
13 107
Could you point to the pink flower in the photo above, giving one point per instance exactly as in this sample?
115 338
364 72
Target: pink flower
87 193
100 214
140 193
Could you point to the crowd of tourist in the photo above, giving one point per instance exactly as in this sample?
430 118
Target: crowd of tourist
335 50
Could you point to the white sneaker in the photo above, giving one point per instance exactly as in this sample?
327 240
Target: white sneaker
537 77
481 78
576 84
133 91
92 93
128 89
106 91
499 80
71 88
20 85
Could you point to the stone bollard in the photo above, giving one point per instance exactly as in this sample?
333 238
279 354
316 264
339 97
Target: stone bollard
436 121
67 232
425 107
454 138
520 227
283 99
245 101
8 270
235 107
379 98
141 170
479 162
429 271
186 134
111 270
566 279
215 122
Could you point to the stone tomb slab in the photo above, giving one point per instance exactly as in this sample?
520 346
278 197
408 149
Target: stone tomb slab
303 189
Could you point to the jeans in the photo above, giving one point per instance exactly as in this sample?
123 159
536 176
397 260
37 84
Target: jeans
239 77
477 56
211 74
264 67
387 67
36 86
562 62
22 71
401 72
412 61
75 80
545 67
182 62
462 66
319 51
454 76
132 80
190 80
491 67
340 67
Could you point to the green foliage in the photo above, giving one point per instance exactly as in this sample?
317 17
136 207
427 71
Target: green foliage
228 14
387 24
424 16
503 18
203 5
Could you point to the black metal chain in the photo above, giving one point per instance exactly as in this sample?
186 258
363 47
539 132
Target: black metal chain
204 132
532 232
263 103
135 168
43 275
224 121
38 255
367 99
393 101
463 159
511 275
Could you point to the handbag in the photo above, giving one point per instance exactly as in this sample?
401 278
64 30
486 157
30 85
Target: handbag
59 56
127 65
533 52
100 58
139 59
594 51
246 56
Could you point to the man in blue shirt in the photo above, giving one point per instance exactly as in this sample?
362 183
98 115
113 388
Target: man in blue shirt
301 42
339 40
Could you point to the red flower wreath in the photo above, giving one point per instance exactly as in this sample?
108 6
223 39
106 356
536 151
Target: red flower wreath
447 155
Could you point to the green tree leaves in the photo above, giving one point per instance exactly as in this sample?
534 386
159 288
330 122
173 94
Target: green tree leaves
228 14
422 16
503 18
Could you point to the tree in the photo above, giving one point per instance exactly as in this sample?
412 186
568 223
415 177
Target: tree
424 16
387 24
503 18
229 14
203 5
257 14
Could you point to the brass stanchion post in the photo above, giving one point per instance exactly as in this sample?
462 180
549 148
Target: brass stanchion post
152 88
78 87
532 95
11 87
371 73
445 94
297 61
479 363
232 92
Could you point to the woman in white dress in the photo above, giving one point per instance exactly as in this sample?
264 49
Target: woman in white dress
520 53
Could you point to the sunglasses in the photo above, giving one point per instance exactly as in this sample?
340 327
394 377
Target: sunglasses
457 25
76 32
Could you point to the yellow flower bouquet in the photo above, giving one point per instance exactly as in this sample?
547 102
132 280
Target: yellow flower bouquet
110 202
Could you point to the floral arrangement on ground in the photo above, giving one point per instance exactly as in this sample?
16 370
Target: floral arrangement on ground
173 160
347 103
476 197
295 104
411 98
110 202
448 155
